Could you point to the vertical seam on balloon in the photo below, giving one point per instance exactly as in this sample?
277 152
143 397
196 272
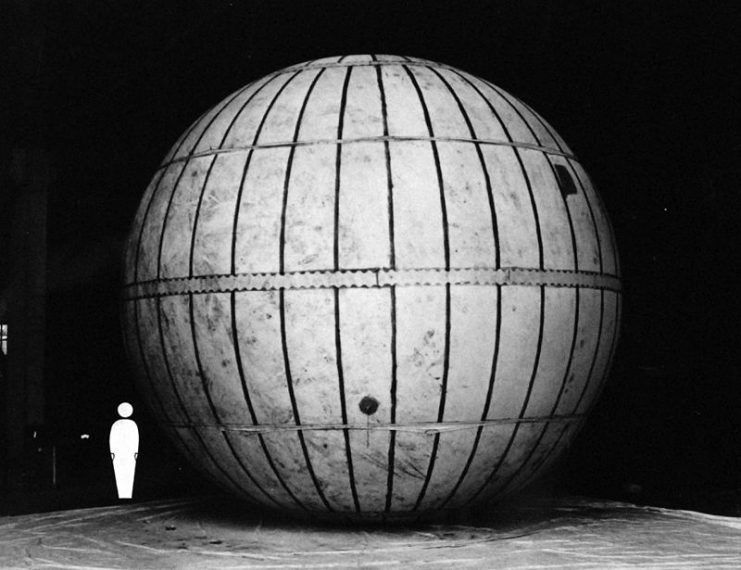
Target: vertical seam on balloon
538 352
540 461
392 291
151 199
338 166
536 221
206 126
509 103
428 475
147 373
154 391
343 403
199 369
281 292
237 210
509 100
248 160
610 234
531 384
238 358
143 223
278 476
165 218
248 399
217 114
243 106
173 151
209 399
162 409
523 169
595 228
495 358
505 130
554 449
292 396
180 400
610 228
389 176
531 453
576 300
487 401
179 144
608 364
618 319
482 162
591 215
289 168
197 215
536 216
441 407
525 402
211 120
596 350
438 168
392 415
528 182
446 357
144 362
543 123
564 381
608 225
336 258
557 182
446 246
281 243
572 350
158 308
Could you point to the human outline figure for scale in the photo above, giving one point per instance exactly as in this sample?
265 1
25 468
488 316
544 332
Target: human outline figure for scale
124 448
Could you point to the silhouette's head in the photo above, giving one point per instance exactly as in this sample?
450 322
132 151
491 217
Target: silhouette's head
125 409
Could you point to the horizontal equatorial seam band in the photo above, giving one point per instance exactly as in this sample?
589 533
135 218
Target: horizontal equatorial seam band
370 279
420 427
312 142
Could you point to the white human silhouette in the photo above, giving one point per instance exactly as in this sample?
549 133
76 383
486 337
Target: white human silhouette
124 447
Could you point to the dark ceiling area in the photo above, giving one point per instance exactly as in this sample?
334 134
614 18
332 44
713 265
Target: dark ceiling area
647 94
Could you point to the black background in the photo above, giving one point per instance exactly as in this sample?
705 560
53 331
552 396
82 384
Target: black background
646 93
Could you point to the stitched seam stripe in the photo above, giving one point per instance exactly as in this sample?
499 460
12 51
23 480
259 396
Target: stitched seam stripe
396 138
371 278
417 426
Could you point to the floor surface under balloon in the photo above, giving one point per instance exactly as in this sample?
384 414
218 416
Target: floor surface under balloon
210 533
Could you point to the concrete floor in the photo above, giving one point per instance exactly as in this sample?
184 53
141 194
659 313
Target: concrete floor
212 532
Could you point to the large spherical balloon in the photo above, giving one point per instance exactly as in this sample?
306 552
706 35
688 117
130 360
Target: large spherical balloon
373 286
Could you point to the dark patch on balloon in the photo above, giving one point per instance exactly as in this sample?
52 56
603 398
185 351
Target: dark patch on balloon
368 405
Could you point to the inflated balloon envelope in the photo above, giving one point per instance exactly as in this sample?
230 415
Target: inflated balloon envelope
371 286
